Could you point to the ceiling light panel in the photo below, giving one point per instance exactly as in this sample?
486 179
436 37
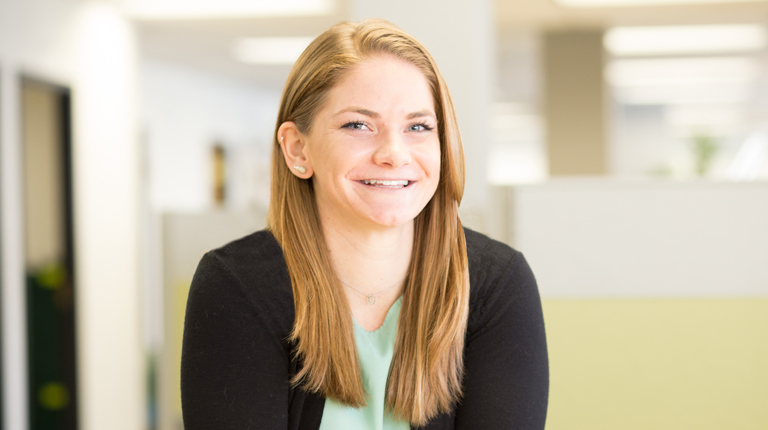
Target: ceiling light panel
698 39
682 71
270 50
688 94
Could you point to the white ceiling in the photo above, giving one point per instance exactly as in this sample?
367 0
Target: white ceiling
207 43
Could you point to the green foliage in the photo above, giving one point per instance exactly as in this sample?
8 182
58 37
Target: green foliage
705 148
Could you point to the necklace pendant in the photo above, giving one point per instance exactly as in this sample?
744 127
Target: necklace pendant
371 300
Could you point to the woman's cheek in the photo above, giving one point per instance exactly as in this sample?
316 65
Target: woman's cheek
430 160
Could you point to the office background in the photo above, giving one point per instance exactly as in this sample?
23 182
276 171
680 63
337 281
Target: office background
621 145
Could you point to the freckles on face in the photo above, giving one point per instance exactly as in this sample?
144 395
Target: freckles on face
374 146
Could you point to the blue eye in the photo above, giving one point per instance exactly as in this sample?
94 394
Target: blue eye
420 127
355 125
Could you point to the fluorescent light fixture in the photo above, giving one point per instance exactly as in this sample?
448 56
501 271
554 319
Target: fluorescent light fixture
684 94
625 3
207 9
270 50
674 81
694 39
682 71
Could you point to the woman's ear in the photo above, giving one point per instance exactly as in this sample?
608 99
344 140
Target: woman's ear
293 144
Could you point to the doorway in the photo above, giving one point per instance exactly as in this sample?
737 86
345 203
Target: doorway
49 254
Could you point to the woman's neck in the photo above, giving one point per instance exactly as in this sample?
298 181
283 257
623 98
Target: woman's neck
370 261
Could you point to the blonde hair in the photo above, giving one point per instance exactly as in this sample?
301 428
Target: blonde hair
425 377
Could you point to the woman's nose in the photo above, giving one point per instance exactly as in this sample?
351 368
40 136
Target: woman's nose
392 150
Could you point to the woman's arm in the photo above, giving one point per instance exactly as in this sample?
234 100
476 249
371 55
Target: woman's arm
506 365
234 364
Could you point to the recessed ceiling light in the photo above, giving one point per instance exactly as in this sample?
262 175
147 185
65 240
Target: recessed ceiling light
270 50
694 39
206 9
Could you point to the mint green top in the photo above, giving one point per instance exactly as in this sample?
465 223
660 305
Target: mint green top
374 349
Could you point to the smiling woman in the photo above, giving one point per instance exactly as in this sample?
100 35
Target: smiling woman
365 304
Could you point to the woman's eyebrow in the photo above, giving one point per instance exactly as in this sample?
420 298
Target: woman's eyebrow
420 114
375 115
359 110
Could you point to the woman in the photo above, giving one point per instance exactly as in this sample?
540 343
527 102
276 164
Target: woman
365 304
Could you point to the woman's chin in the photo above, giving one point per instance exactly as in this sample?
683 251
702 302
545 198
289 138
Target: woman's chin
391 220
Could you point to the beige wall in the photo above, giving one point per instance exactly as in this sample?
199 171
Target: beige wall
662 364
574 102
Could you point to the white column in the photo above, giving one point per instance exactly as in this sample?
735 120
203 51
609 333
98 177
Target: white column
460 35
14 303
106 168
12 291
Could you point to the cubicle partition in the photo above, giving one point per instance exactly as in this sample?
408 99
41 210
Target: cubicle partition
655 297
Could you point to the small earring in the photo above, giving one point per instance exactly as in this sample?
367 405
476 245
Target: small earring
281 139
300 169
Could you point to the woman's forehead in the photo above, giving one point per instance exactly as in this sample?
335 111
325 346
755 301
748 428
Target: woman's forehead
382 83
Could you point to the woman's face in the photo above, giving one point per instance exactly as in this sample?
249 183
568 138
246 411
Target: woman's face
374 146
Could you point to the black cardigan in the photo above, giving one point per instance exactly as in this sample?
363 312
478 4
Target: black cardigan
236 363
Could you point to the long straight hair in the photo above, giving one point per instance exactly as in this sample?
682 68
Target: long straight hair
425 377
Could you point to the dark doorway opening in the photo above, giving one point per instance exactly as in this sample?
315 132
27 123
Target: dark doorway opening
49 254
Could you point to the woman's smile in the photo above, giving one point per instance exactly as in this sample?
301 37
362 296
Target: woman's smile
396 183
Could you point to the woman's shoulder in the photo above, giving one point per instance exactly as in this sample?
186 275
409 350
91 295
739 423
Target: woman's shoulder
488 258
256 252
499 276
251 269
485 252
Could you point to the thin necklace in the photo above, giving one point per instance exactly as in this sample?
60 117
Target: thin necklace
371 298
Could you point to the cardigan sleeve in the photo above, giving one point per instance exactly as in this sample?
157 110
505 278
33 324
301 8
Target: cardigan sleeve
234 364
506 382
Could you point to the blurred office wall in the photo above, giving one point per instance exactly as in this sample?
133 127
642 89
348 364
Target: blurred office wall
185 112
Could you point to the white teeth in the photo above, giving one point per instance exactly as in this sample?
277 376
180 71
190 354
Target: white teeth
400 183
